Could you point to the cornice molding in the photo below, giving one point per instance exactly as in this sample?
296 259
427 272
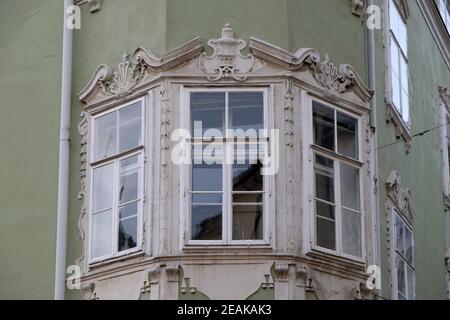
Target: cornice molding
437 28
226 63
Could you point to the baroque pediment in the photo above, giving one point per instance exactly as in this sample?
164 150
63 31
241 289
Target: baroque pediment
399 195
231 60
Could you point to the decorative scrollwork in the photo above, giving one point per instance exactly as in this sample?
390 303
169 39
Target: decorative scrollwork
227 62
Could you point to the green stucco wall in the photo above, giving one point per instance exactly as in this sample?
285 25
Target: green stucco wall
421 169
30 60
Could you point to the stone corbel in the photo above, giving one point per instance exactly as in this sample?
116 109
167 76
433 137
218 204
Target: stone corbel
153 275
95 5
281 280
358 8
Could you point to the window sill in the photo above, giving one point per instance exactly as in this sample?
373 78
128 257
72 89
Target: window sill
401 128
107 261
333 257
226 248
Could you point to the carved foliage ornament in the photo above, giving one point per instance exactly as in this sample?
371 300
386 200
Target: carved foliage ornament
227 62
445 97
124 79
335 80
399 195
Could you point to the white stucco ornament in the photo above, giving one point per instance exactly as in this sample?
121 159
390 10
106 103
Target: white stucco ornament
226 62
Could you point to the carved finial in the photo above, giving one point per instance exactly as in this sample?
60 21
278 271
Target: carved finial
227 32
227 62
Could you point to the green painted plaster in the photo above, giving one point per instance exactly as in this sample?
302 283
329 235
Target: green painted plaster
30 77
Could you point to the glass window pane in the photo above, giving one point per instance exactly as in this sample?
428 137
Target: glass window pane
247 177
207 112
405 107
248 197
323 122
394 58
404 73
130 120
324 210
128 210
351 233
127 233
347 135
325 187
325 233
324 178
411 283
396 92
350 187
102 188
246 110
399 234
207 177
101 237
402 36
129 179
105 136
206 222
215 198
400 275
393 17
409 249
247 222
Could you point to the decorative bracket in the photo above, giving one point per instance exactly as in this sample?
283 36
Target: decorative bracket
358 8
226 62
399 195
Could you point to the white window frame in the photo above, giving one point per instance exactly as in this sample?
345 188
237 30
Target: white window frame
445 136
185 219
116 158
337 159
390 38
394 280
445 14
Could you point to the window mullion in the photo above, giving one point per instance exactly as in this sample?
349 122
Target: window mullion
338 209
115 220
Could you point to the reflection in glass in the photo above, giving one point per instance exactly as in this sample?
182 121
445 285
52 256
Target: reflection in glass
350 187
351 233
247 177
400 278
347 135
130 127
209 109
246 110
101 242
247 222
128 233
207 177
323 121
102 193
206 222
105 136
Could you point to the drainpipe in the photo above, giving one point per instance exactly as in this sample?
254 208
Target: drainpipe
373 125
63 170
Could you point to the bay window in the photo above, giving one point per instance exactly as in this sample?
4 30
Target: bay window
116 181
337 186
398 63
227 191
